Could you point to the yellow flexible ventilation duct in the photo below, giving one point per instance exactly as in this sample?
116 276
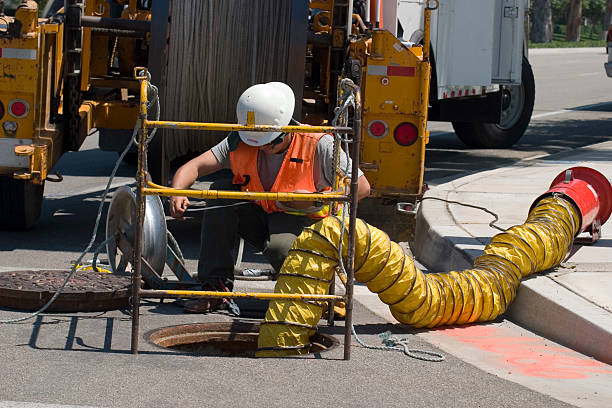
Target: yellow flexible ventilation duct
434 299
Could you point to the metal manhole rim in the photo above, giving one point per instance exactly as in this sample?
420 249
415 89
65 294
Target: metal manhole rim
105 291
226 328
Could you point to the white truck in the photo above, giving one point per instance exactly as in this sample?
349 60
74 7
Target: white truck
481 81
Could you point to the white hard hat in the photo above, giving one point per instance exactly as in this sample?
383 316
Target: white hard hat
271 103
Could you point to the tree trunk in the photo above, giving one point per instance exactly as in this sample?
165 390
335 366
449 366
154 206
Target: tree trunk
574 21
541 29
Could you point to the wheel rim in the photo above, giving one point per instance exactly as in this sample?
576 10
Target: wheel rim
511 112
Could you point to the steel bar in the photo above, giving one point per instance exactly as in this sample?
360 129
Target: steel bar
330 305
244 195
319 38
118 33
254 128
116 23
72 37
141 180
350 273
151 293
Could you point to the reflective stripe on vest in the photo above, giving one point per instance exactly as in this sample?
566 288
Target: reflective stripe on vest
296 171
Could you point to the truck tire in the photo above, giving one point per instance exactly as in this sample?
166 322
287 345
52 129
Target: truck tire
517 107
20 203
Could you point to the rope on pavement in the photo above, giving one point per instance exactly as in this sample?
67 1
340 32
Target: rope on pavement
392 343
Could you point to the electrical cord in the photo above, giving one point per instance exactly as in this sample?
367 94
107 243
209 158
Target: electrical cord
491 224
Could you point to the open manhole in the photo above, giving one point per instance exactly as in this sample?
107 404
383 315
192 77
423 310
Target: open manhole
86 291
223 339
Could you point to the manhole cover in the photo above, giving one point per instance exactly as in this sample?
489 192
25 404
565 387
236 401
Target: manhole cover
86 291
225 339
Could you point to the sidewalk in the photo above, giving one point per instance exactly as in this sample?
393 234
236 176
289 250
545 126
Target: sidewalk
571 304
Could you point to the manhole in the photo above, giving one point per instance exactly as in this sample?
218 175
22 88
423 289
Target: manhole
224 339
86 291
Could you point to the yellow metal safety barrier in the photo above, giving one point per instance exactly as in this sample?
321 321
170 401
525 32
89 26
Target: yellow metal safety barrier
145 187
155 189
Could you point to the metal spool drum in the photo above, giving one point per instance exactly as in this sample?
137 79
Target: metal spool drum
205 53
121 224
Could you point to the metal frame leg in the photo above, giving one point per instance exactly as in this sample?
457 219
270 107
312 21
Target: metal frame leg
350 272
141 181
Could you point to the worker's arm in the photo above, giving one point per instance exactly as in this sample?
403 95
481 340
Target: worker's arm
186 175
363 187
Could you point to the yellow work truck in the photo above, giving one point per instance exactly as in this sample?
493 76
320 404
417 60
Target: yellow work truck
70 72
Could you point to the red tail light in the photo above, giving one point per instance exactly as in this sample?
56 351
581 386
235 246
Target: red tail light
406 134
19 108
378 128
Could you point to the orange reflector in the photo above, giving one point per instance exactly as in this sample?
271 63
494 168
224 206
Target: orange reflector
406 134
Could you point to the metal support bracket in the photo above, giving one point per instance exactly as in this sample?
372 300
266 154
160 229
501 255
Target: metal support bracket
595 233
38 162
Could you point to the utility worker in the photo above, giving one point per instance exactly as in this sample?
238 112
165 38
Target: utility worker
259 161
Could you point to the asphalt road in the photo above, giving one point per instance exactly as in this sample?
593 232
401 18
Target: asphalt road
573 108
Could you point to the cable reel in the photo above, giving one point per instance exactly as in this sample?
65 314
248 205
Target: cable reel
156 251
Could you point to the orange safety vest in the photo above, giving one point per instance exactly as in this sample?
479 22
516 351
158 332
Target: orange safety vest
296 171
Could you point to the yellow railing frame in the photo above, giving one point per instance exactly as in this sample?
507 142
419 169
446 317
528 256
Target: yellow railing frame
346 192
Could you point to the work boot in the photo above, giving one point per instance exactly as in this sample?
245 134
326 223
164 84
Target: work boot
339 311
205 305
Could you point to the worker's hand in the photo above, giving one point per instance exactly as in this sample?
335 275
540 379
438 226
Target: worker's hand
178 205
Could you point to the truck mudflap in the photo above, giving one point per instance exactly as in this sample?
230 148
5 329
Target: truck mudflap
20 202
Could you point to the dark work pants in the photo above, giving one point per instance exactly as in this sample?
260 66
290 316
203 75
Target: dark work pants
273 234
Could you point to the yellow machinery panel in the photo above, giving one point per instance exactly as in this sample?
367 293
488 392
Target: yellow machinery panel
30 60
18 80
394 133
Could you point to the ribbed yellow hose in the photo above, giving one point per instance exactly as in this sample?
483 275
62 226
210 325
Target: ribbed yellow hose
415 298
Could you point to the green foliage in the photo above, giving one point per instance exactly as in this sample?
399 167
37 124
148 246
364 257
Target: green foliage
594 10
566 44
590 37
559 11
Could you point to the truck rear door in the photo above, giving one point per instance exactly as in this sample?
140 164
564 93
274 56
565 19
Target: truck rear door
508 41
475 42
463 42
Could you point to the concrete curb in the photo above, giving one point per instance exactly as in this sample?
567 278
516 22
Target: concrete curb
431 246
557 313
542 305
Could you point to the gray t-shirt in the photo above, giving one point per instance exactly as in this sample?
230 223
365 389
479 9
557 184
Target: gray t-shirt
268 165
